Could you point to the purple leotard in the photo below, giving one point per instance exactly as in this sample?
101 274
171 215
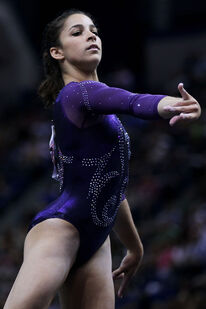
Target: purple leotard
90 150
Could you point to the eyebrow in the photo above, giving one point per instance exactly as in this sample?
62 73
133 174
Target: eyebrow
80 25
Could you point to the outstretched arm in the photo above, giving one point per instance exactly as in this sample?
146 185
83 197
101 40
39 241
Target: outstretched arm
127 233
98 98
179 110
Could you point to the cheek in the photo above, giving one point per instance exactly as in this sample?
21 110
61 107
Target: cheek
99 41
72 48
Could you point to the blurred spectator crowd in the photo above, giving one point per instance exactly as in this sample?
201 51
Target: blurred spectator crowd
166 193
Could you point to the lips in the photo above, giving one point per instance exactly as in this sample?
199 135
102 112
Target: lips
93 46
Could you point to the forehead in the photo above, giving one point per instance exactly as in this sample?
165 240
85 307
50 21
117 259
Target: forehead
78 19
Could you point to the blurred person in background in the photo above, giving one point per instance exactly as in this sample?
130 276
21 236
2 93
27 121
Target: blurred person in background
67 248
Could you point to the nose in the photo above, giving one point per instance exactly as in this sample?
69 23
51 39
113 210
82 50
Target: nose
91 36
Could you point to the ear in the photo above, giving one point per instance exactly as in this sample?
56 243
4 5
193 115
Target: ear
57 53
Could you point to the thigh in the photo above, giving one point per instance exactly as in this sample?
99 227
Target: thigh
91 285
49 252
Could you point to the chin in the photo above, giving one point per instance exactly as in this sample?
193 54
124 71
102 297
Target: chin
91 64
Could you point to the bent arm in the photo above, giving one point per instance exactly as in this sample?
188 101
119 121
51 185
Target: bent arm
126 231
128 235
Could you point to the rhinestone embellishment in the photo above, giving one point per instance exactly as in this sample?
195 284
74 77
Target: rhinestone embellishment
60 167
58 159
100 179
85 96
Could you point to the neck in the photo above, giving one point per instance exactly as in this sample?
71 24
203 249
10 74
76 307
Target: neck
78 76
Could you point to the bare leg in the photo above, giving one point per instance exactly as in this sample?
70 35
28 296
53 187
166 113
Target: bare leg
91 285
49 252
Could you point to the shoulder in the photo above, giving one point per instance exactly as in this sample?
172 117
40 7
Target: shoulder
91 84
74 88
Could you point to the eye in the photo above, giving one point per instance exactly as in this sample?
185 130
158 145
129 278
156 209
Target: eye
95 32
76 33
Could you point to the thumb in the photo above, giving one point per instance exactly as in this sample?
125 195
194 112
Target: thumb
185 95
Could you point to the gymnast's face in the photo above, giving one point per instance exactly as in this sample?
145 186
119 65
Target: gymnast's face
80 44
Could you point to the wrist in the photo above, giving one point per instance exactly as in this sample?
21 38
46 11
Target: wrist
163 105
137 250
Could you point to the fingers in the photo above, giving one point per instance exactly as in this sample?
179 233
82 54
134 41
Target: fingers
185 95
122 273
118 272
126 271
125 282
191 108
191 101
182 119
174 120
120 276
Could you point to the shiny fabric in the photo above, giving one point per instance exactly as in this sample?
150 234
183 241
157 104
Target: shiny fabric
90 150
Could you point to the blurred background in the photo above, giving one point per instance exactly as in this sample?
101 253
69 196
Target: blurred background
149 46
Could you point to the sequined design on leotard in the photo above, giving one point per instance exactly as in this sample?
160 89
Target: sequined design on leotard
85 95
60 166
99 180
58 158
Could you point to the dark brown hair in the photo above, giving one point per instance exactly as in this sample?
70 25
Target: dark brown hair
53 82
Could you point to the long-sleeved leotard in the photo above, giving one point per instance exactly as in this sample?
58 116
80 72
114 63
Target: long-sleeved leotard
90 150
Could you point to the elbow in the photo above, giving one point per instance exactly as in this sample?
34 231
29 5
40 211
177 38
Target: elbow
141 251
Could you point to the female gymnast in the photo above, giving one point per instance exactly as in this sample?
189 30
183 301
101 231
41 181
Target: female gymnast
67 248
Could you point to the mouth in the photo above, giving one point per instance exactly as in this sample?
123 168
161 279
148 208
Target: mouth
93 46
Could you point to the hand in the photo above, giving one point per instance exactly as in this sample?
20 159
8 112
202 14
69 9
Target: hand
186 110
127 270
